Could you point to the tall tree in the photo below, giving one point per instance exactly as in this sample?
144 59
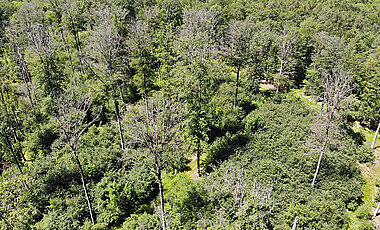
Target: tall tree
337 87
197 47
375 137
72 16
155 125
140 42
11 119
330 53
32 26
24 71
286 49
238 47
105 46
73 109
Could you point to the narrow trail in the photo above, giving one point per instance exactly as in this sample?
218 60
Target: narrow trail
371 174
375 170
193 168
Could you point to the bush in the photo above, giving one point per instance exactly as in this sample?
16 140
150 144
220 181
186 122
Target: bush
144 221
364 212
365 155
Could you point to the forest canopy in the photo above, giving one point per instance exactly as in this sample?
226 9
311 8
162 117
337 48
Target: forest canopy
188 114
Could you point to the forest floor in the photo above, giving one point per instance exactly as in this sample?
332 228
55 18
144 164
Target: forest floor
193 166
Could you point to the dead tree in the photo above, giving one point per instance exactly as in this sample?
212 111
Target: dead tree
24 70
296 219
70 7
196 46
287 44
72 111
31 27
337 87
155 125
103 53
235 193
238 47
12 124
375 137
14 155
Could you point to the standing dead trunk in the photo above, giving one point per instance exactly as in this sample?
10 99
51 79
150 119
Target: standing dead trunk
71 115
15 159
377 210
13 154
198 157
323 149
24 71
67 48
18 126
375 137
10 124
76 37
279 77
162 201
295 223
119 123
85 188
156 125
237 86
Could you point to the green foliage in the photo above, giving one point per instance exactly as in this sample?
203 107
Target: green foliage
364 212
38 143
222 148
121 193
186 199
258 157
142 221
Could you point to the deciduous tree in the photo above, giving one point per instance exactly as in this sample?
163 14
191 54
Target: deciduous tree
155 125
337 87
103 56
73 109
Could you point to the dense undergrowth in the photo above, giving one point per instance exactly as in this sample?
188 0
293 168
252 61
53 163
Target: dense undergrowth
112 111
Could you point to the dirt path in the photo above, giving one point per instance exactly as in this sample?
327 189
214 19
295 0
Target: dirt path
372 176
193 168
371 173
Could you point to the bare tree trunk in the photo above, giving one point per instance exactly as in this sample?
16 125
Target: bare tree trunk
14 131
198 157
15 159
17 123
279 77
121 92
69 54
13 154
77 40
375 137
119 123
295 223
237 86
85 188
323 147
24 69
377 210
161 191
